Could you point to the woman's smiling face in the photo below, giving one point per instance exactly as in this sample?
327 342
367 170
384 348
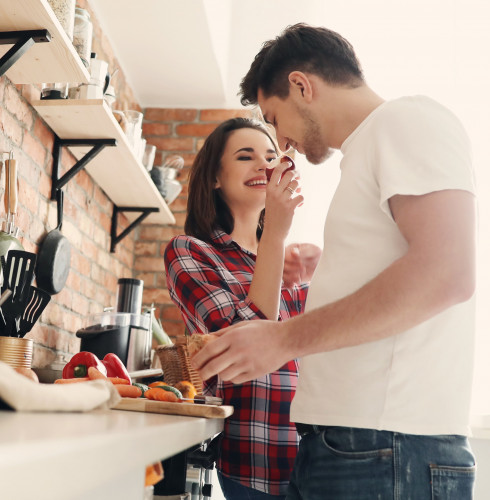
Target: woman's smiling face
241 177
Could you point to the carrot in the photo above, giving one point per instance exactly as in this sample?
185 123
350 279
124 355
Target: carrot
158 395
128 391
117 380
71 380
94 374
154 473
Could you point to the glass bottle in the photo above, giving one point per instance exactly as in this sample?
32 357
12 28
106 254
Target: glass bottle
64 10
82 35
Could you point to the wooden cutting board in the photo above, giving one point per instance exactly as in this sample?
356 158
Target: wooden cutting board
186 409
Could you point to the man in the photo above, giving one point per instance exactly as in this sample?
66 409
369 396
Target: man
386 344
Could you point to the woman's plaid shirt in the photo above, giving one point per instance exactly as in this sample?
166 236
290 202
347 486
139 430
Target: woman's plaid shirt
210 283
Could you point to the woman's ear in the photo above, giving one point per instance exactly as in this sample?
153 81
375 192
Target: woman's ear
300 84
217 184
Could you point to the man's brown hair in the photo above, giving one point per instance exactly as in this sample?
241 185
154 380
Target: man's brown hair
309 49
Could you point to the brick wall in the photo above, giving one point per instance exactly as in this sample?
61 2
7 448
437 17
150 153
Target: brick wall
172 131
94 271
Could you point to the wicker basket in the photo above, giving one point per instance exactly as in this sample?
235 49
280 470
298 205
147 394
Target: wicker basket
176 366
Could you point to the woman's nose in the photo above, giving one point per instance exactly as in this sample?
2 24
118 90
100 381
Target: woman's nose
262 165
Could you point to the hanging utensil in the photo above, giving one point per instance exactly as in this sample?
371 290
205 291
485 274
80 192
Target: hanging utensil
17 276
5 295
36 303
6 198
3 324
12 185
53 263
9 241
3 264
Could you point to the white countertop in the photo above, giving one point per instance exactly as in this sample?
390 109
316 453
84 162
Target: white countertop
98 455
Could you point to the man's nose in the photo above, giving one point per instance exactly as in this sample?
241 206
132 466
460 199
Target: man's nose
282 142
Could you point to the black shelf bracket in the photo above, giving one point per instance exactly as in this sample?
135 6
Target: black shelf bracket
22 41
98 146
145 212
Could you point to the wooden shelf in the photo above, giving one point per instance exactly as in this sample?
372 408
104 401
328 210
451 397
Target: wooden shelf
55 61
116 169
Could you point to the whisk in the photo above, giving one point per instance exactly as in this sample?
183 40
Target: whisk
173 161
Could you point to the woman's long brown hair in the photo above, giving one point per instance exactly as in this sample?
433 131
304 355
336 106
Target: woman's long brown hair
206 209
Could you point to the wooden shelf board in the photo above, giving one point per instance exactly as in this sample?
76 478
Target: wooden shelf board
115 169
54 61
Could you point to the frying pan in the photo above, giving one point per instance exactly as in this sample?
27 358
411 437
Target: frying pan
7 240
53 262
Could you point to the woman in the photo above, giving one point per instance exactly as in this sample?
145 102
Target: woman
228 268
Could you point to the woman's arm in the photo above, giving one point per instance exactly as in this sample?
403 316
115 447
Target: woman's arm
265 289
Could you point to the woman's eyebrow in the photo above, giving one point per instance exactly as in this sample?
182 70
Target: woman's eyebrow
248 150
251 150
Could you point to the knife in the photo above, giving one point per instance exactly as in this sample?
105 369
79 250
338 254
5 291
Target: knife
204 400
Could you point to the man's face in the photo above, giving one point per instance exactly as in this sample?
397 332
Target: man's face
295 127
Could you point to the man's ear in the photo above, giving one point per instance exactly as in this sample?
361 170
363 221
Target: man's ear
301 85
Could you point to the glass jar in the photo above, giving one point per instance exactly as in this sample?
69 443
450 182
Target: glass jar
54 91
82 35
110 96
149 156
134 128
64 10
172 186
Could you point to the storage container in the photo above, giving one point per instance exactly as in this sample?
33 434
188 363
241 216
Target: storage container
82 35
64 10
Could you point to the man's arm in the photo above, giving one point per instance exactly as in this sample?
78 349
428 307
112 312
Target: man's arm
436 272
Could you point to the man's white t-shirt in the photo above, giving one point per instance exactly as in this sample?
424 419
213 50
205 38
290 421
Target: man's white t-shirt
418 381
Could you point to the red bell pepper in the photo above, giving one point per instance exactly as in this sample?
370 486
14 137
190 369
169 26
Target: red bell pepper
115 367
79 364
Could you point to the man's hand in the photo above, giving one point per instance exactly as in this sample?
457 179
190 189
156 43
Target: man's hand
243 352
300 261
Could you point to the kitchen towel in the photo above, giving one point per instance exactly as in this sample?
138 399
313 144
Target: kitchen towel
23 394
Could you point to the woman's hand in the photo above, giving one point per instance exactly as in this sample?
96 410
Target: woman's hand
300 261
282 198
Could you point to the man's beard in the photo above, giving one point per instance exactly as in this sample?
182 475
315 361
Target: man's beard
316 151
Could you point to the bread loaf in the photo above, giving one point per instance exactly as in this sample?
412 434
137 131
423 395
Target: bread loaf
198 341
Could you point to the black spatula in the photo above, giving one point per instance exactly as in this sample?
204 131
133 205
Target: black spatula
36 303
17 277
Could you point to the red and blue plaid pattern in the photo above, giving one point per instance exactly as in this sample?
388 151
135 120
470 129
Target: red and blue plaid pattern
210 283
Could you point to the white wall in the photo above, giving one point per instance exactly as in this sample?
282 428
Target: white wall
318 184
